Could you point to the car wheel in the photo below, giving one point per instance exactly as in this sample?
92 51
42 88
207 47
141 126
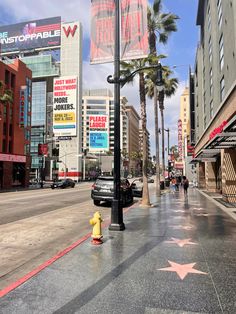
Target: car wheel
96 202
52 187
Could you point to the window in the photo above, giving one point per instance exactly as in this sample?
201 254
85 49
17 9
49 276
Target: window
210 49
211 109
96 101
211 82
7 77
221 51
13 80
219 12
222 88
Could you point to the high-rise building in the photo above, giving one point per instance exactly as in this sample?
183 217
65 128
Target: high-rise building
133 139
15 125
215 97
99 104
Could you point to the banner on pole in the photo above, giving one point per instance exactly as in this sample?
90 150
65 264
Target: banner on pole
134 32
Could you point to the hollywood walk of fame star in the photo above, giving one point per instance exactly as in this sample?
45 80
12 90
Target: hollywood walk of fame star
182 242
182 270
197 208
205 215
182 227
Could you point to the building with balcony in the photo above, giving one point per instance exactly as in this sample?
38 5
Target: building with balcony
15 125
215 97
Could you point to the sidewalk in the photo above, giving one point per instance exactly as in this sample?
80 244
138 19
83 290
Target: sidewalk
175 257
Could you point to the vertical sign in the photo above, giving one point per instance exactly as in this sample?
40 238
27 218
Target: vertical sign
134 33
23 110
65 106
180 140
98 133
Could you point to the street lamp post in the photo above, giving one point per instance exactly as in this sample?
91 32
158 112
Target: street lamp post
168 148
117 223
160 89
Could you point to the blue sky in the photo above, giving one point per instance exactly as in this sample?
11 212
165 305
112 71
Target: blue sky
180 48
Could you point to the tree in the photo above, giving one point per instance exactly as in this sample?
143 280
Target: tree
160 26
127 69
6 96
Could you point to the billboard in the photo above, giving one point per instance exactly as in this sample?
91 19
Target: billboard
134 33
31 35
98 141
98 133
65 106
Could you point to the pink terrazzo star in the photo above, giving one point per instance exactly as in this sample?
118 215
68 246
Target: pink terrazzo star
182 270
205 215
182 242
182 227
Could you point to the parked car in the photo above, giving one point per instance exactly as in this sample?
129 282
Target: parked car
137 189
63 184
103 190
150 180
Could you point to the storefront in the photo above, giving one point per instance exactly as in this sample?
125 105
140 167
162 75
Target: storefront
14 171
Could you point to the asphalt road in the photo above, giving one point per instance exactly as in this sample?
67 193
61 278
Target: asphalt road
37 224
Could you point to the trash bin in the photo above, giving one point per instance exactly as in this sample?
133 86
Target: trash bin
162 185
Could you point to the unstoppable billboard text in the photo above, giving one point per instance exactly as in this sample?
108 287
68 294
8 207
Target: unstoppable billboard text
30 35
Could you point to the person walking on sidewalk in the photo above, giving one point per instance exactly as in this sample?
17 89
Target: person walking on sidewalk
185 185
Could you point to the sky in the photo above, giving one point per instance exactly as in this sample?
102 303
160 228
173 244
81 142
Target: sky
180 49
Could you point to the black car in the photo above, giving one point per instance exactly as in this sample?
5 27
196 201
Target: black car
103 190
63 184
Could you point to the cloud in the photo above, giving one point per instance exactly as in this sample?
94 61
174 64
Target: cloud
73 10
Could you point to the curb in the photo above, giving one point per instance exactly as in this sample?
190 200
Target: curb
222 207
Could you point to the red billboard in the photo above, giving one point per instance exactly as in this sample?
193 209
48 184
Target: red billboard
31 35
180 139
42 149
134 33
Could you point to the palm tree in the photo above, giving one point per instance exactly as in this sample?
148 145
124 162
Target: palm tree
160 26
127 69
170 86
6 96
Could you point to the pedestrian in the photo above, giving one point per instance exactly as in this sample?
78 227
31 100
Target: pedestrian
185 185
173 185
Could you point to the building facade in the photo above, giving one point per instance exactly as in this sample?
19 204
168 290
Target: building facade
15 125
133 139
51 49
215 97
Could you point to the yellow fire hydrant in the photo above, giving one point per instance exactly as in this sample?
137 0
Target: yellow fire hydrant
96 221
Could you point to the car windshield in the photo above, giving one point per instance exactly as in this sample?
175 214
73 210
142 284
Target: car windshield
104 182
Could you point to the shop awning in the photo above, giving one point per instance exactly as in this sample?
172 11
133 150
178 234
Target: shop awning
225 139
206 155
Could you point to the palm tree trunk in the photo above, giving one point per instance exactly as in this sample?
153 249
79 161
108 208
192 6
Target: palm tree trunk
158 191
145 197
163 142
